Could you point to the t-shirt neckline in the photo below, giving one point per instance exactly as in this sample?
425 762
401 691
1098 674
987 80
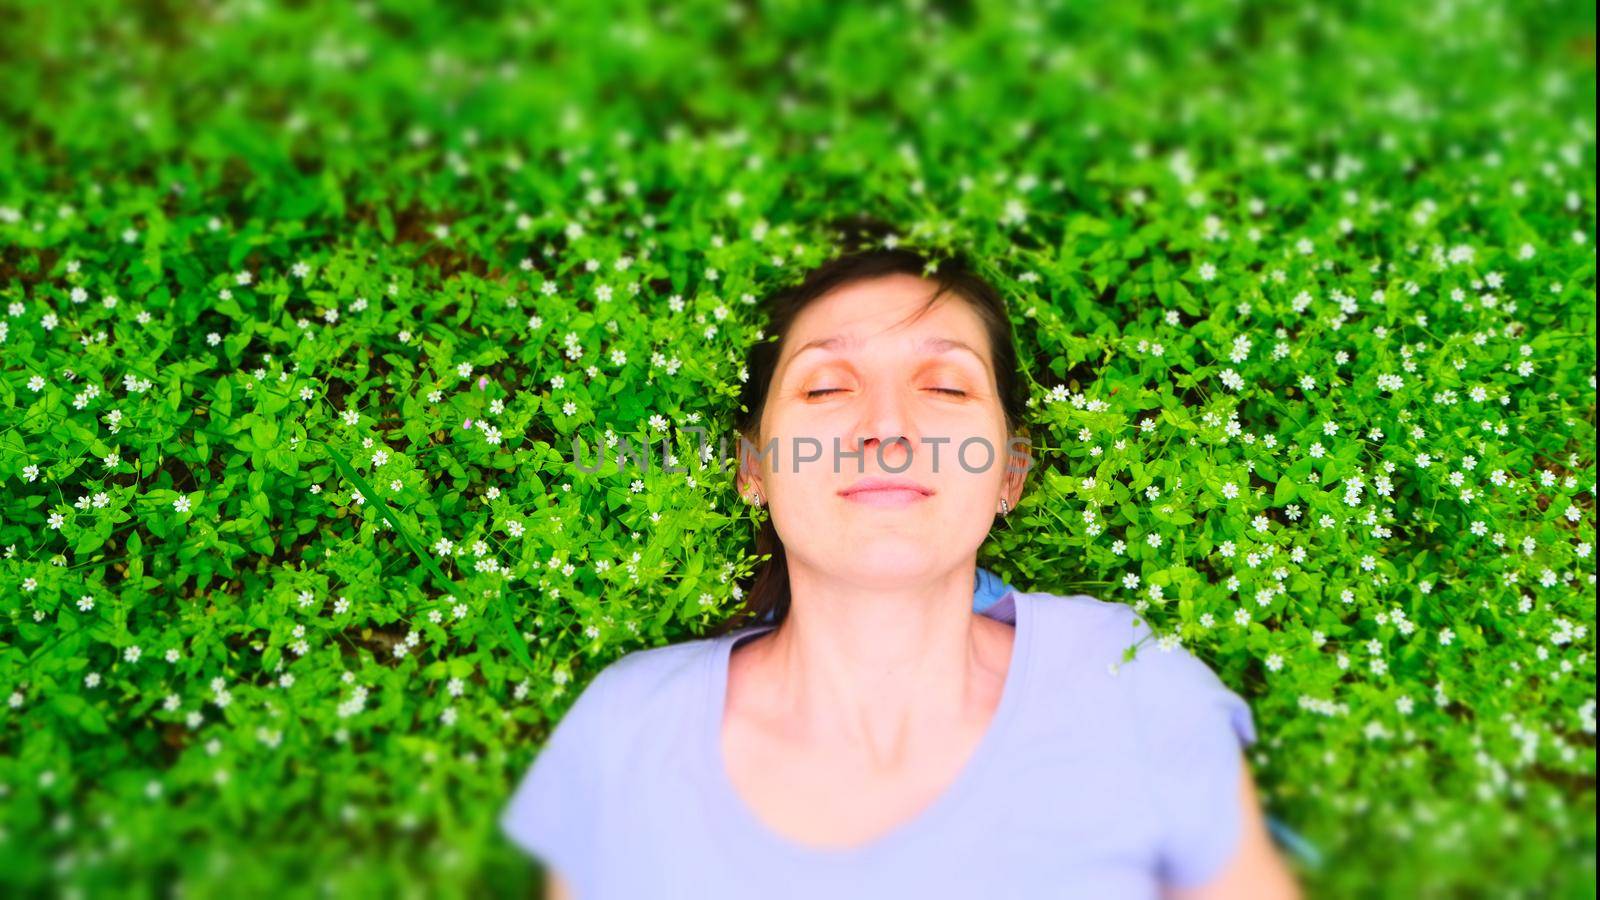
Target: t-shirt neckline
731 807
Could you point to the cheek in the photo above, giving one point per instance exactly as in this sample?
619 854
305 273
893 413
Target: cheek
978 424
790 426
803 449
973 462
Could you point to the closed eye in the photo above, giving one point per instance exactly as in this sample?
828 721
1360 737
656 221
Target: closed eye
954 392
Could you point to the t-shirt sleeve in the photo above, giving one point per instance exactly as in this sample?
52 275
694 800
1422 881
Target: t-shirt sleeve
1195 730
552 812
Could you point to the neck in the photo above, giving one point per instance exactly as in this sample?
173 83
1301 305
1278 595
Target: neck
871 668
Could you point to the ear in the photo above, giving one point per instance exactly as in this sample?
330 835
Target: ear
1019 462
748 479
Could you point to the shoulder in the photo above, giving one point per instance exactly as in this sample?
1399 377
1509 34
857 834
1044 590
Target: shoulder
1154 679
646 695
1084 616
639 699
1183 726
669 674
608 742
1084 629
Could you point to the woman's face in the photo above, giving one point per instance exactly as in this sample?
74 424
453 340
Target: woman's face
856 372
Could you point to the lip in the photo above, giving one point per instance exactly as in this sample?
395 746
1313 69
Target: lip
881 491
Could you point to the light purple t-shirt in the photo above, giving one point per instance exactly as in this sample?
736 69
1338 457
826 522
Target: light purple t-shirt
1087 783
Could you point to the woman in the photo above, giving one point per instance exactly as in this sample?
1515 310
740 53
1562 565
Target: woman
870 734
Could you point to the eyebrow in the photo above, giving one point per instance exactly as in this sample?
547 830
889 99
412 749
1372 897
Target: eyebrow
927 345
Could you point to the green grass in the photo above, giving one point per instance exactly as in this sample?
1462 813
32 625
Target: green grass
578 203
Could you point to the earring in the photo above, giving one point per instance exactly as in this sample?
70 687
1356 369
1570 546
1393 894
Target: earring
1005 508
756 497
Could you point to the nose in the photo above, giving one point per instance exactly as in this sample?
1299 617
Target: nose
886 429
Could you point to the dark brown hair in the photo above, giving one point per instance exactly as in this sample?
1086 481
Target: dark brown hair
769 592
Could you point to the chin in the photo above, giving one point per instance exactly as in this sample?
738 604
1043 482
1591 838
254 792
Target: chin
891 561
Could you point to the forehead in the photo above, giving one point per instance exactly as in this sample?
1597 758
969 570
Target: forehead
875 315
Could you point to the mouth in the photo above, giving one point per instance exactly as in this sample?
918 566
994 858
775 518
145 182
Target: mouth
878 491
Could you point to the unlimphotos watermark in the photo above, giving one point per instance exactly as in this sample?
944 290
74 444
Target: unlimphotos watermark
974 454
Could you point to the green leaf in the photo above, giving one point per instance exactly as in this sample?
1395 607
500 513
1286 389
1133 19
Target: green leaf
386 224
1286 491
265 433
